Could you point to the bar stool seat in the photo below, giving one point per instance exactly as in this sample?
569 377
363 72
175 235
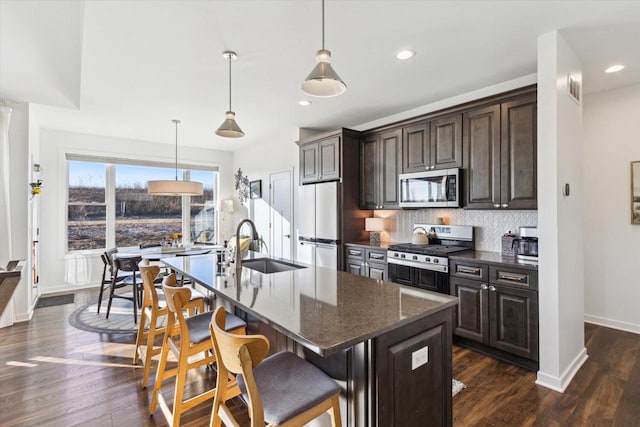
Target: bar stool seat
199 326
283 389
289 386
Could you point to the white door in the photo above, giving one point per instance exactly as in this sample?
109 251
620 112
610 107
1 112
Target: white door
281 218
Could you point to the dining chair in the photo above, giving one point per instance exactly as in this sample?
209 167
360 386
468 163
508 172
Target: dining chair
154 309
193 338
282 389
109 274
127 264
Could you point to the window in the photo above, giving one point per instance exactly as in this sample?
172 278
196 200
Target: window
108 205
87 207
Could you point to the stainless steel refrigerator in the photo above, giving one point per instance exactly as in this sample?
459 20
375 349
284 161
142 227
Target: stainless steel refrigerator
318 224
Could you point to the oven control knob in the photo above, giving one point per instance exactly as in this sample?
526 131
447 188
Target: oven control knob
436 261
427 259
415 257
402 256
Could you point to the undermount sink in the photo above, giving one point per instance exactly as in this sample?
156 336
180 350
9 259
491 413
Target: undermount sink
266 265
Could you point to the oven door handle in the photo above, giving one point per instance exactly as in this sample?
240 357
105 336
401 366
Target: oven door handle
442 268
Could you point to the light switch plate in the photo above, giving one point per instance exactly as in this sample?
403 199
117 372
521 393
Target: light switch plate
420 357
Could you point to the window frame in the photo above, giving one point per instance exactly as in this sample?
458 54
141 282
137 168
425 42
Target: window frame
110 164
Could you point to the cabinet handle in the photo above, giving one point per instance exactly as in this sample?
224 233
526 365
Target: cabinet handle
484 287
469 270
492 288
376 256
496 205
505 205
352 252
511 277
433 167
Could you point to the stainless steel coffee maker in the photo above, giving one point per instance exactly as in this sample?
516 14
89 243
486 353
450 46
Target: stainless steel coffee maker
526 245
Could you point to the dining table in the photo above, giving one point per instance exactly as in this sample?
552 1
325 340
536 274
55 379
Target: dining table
156 253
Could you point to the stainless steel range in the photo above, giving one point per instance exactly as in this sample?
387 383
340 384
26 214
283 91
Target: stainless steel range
426 266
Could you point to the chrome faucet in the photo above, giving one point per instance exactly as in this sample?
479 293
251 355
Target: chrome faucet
238 254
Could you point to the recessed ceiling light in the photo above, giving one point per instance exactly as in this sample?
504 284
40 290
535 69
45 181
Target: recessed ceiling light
614 68
304 103
405 54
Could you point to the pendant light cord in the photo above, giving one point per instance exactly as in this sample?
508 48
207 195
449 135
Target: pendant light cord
176 122
230 82
322 24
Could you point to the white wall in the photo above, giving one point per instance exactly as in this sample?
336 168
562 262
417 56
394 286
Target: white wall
612 255
277 154
561 261
62 271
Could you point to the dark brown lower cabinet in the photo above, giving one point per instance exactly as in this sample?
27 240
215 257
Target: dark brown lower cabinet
410 395
499 317
514 320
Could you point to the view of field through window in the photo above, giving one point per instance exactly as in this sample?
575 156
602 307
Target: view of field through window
140 218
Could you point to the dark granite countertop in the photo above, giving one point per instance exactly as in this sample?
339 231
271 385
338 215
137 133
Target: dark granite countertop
493 258
325 310
366 243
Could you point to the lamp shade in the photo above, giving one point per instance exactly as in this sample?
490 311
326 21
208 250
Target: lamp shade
374 224
166 187
323 81
229 128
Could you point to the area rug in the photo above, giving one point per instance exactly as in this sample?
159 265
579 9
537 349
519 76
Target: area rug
457 387
120 319
55 300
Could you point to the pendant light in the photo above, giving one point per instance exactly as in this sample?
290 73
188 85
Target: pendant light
229 128
323 81
168 187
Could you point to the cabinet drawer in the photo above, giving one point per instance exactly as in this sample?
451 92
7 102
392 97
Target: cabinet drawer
376 255
513 276
468 270
354 252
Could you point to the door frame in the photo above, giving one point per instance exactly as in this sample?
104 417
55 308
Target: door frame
271 212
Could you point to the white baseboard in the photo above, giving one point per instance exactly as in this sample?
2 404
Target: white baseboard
66 289
614 324
560 384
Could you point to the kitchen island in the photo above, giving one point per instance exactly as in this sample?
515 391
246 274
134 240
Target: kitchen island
387 345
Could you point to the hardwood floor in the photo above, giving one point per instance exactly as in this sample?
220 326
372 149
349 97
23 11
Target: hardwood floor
52 374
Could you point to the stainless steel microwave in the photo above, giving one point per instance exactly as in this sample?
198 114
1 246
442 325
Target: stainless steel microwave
432 189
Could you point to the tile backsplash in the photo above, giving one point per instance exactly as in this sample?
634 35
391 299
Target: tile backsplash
489 225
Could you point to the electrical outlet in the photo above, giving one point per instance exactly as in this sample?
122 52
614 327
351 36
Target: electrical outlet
420 357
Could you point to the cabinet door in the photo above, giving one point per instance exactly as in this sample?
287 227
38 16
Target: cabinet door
378 271
390 154
402 274
309 163
472 313
446 142
355 266
416 148
519 154
329 152
514 320
482 157
369 172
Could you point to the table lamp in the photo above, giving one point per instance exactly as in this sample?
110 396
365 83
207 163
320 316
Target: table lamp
374 226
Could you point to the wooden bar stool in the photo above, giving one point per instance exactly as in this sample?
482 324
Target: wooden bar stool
194 338
154 308
282 389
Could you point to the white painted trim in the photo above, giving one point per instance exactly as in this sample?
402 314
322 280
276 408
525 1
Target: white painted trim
611 323
68 289
561 384
24 317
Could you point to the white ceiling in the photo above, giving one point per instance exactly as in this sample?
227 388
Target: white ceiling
126 68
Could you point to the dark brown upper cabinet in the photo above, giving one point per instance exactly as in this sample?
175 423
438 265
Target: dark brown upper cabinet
380 165
432 145
500 163
416 148
320 160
